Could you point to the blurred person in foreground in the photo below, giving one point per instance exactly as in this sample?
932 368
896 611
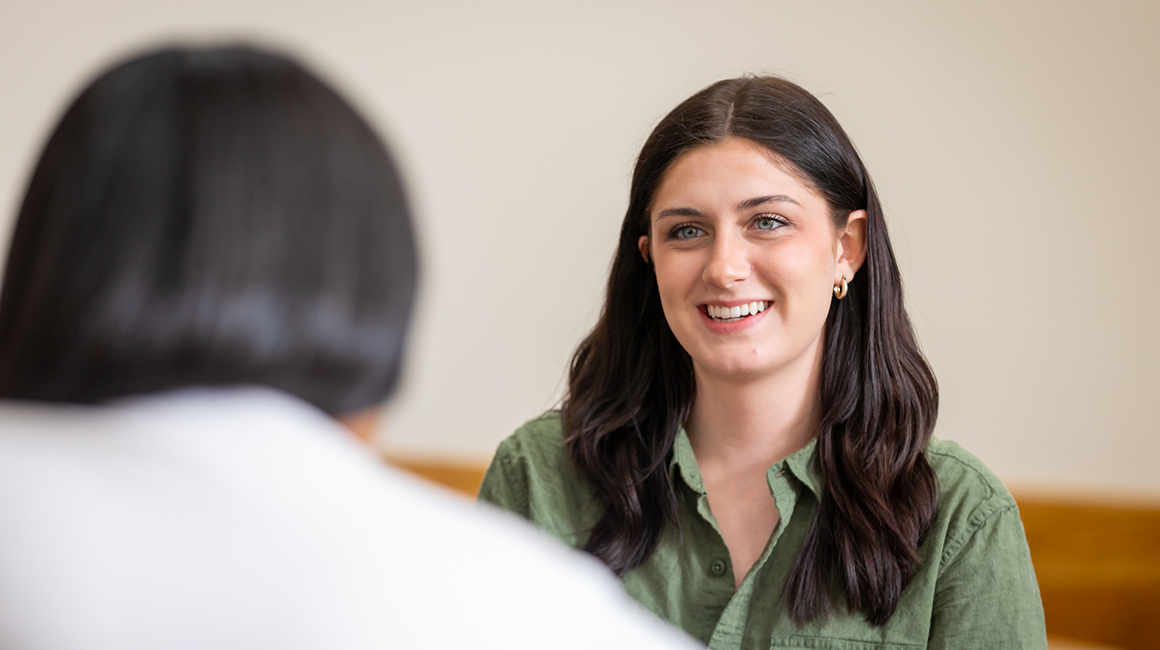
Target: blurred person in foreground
212 273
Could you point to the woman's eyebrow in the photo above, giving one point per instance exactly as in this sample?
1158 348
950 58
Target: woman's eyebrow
680 212
761 200
747 204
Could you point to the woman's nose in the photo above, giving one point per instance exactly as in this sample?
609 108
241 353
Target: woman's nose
728 263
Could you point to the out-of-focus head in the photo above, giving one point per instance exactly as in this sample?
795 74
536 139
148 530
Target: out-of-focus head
209 217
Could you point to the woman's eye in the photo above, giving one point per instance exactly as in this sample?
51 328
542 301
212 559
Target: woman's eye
686 232
766 222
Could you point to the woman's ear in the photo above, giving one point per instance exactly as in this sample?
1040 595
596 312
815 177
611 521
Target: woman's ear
642 244
851 245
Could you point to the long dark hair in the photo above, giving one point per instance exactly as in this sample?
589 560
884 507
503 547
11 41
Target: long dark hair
631 384
209 216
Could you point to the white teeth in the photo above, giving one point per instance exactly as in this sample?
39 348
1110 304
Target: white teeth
735 313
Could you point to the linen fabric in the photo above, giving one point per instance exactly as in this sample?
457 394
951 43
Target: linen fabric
248 519
976 587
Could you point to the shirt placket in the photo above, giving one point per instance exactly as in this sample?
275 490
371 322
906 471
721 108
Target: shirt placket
730 630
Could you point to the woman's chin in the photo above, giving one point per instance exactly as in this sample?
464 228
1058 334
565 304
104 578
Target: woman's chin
740 370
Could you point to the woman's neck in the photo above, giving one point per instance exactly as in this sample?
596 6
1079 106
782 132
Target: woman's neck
755 421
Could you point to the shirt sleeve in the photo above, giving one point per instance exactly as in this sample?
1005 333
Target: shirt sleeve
506 482
987 595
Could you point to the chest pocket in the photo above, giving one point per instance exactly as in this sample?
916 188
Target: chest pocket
829 643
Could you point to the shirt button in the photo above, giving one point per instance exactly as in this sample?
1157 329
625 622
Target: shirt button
717 568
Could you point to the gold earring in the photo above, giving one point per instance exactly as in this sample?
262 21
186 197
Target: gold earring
840 289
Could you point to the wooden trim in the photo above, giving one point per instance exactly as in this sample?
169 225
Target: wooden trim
463 477
1062 643
1098 566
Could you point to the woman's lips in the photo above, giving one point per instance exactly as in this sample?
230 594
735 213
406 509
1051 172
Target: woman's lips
723 314
719 318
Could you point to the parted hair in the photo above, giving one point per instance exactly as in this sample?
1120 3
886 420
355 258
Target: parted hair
631 384
209 216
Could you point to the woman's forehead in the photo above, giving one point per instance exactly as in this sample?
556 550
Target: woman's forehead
731 171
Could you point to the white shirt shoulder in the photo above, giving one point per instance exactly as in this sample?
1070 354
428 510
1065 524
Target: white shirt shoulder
248 519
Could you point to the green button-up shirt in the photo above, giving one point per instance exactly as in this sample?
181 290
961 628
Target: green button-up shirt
976 587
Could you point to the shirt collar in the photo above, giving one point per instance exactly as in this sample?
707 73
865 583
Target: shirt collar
800 464
686 462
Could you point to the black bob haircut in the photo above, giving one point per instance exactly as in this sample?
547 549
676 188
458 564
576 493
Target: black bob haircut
209 217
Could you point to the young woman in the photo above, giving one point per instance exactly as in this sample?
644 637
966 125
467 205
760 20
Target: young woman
746 438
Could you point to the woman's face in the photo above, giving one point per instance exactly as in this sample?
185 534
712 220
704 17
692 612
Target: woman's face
746 258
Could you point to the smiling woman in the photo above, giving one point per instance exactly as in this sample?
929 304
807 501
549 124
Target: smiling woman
745 257
746 439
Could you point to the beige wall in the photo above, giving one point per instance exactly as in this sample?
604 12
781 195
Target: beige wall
1015 145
